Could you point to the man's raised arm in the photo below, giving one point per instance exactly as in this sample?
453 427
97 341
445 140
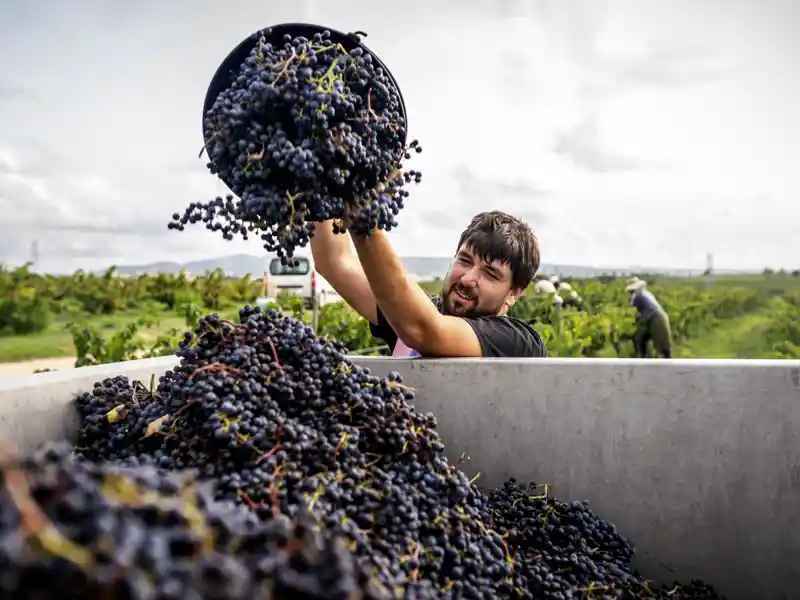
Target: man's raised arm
336 261
407 308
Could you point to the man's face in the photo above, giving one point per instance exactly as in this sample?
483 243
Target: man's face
476 288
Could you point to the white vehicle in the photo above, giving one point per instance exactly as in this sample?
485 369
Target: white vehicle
300 279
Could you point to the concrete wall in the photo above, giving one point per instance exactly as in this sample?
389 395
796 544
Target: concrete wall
698 461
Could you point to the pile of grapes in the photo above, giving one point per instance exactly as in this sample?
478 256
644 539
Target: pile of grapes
267 466
308 131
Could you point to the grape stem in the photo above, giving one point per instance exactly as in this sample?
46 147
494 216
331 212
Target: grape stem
273 492
217 368
370 112
275 448
461 459
292 214
34 519
415 573
251 158
274 353
247 499
341 444
285 66
237 327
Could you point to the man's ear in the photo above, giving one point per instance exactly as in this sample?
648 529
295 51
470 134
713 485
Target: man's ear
513 296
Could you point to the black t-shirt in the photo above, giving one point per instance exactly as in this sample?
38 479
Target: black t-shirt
500 337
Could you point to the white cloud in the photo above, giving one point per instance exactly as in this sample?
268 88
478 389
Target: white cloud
8 161
37 188
626 132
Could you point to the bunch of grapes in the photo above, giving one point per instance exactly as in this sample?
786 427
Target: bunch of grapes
74 529
279 422
308 131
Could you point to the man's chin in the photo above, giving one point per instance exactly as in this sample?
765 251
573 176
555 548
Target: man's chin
457 309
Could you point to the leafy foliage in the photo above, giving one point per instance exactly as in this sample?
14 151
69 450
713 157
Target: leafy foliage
784 329
93 348
32 302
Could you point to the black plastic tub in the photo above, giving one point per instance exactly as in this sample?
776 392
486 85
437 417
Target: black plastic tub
228 70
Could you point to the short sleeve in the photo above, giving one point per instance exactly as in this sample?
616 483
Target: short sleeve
507 337
383 330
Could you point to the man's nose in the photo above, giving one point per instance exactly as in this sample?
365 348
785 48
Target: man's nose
470 278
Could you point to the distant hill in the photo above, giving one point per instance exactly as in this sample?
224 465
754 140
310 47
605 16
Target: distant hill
237 265
422 267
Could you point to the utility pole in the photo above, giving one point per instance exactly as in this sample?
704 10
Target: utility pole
263 299
709 264
34 253
315 301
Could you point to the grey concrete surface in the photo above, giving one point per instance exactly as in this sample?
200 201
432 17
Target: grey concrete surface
697 461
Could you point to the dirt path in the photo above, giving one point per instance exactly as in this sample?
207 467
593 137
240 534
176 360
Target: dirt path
27 367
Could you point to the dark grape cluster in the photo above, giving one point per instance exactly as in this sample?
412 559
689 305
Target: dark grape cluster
280 423
75 529
307 132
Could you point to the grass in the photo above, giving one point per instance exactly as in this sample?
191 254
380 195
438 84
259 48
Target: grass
741 337
766 284
56 340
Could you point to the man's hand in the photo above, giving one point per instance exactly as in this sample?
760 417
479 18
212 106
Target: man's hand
355 206
351 209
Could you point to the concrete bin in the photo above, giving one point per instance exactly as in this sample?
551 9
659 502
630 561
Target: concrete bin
697 461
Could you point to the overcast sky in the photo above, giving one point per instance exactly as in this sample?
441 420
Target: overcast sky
624 132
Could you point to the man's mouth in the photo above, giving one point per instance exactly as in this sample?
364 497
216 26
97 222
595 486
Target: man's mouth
463 297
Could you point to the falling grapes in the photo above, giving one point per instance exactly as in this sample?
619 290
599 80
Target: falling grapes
308 131
268 466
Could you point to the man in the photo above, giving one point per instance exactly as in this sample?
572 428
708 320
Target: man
652 322
496 258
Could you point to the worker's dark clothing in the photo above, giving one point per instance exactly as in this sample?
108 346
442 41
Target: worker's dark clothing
574 301
500 337
652 324
645 303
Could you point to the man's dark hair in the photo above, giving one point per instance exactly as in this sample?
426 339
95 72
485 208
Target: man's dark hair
497 236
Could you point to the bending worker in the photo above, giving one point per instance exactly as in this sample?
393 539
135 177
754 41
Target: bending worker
652 322
546 288
570 296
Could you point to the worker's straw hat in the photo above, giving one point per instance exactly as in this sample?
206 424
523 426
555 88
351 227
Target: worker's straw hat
634 283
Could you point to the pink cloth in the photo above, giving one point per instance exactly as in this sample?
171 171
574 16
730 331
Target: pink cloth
401 350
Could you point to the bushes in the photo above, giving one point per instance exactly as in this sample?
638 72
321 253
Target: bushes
23 311
110 293
30 302
24 308
784 328
340 322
